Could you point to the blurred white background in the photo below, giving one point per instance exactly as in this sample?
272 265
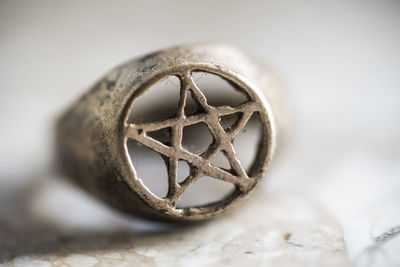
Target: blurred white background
339 62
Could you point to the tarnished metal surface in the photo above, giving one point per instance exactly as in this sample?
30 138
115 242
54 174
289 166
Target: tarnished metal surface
93 133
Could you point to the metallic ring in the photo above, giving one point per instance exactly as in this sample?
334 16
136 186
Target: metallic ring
92 135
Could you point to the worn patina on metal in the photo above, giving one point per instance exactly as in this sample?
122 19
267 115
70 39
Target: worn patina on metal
92 135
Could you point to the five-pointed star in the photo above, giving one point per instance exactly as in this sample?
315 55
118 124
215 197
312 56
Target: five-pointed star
200 165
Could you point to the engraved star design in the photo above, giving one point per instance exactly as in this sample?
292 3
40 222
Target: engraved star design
200 165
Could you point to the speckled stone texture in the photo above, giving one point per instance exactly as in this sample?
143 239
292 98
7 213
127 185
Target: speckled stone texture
271 230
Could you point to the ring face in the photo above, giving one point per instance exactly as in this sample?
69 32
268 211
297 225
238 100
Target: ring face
200 164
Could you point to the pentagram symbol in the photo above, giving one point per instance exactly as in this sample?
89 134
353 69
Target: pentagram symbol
201 165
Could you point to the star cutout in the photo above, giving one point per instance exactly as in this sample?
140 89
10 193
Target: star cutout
200 165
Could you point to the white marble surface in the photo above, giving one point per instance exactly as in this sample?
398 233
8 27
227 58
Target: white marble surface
334 185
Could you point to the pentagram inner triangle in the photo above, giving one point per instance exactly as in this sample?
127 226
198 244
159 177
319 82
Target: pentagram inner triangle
162 135
230 121
192 104
220 160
